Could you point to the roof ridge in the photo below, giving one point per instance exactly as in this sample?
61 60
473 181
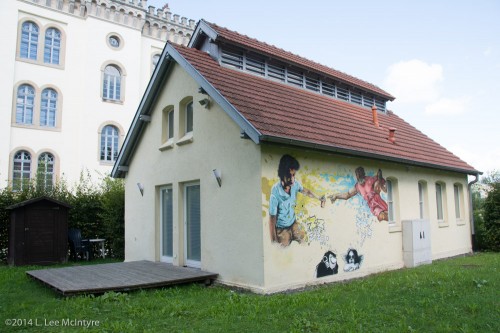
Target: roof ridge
307 60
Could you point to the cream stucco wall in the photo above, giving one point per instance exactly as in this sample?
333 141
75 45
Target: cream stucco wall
231 229
349 224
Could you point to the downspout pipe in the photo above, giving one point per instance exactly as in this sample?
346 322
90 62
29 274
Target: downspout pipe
471 212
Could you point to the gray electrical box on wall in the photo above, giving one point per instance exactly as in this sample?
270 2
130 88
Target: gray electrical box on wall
416 242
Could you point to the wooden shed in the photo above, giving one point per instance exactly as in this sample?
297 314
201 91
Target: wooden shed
38 233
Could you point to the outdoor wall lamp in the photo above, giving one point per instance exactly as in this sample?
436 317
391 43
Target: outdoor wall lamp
218 177
205 102
141 188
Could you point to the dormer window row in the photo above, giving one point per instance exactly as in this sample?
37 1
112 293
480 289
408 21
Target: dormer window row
279 71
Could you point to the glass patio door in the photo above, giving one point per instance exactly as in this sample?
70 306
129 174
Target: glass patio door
166 225
192 225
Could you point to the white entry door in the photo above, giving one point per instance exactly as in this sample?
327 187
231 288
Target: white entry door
192 225
166 224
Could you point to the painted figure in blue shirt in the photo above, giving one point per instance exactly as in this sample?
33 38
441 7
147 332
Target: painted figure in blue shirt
283 226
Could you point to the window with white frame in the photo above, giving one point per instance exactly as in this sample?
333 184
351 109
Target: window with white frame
457 190
37 109
167 128
29 40
25 103
390 201
192 224
186 121
21 170
441 202
167 223
189 117
111 85
422 199
48 108
52 50
170 120
45 171
40 44
109 143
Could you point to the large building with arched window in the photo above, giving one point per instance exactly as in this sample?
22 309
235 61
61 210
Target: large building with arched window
74 73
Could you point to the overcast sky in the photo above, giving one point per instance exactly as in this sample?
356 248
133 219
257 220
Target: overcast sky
440 59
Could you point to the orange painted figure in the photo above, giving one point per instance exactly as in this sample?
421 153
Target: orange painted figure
369 187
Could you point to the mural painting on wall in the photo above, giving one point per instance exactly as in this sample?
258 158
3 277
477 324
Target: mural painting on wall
369 187
328 265
291 217
352 260
283 199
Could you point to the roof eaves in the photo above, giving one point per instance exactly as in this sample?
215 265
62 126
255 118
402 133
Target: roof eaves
170 54
202 27
231 111
42 198
137 126
360 153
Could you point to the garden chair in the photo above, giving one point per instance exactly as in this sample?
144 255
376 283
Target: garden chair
77 246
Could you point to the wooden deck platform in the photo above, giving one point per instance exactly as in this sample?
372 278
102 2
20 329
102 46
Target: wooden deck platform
123 276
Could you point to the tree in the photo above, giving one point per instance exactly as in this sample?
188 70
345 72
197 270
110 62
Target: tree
488 214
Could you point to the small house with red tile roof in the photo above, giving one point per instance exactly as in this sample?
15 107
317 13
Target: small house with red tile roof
277 172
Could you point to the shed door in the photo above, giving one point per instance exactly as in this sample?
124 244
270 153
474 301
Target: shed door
40 236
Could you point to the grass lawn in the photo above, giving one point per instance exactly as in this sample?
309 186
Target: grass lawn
456 295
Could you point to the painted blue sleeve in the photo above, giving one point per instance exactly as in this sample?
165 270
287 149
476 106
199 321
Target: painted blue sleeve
300 188
273 205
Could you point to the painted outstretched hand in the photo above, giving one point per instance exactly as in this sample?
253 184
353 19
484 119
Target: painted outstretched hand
323 201
333 197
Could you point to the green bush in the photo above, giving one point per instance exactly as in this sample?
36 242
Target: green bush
487 214
98 211
491 208
113 215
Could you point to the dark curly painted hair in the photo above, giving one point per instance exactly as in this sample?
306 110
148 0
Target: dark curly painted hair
287 162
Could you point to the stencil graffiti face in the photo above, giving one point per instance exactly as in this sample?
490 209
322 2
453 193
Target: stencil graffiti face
328 265
330 261
353 260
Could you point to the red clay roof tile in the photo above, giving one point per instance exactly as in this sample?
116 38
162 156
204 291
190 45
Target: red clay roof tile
282 111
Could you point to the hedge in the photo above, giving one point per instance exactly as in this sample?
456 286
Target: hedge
98 211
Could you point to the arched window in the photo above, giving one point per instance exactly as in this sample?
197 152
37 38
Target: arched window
390 200
45 171
111 84
48 108
52 48
189 117
109 143
25 104
21 170
29 40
